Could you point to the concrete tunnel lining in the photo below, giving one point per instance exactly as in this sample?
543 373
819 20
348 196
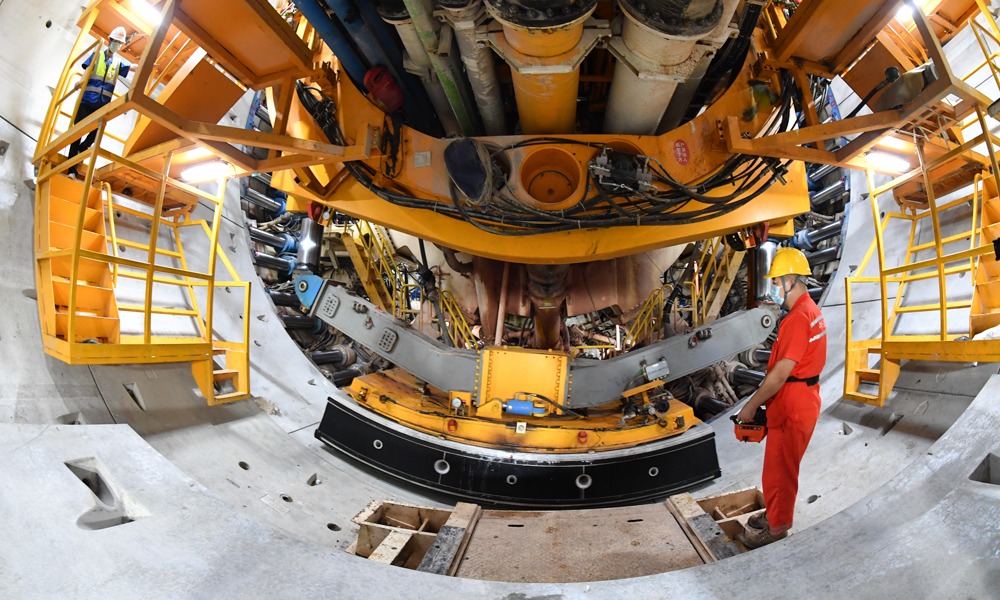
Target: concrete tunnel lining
896 513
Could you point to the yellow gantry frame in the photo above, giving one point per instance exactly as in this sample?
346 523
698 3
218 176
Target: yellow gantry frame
146 348
943 346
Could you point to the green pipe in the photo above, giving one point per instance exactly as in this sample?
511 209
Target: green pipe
445 69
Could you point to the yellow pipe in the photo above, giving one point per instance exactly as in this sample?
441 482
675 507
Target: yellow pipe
545 103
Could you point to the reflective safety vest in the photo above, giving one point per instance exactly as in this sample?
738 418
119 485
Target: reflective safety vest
103 77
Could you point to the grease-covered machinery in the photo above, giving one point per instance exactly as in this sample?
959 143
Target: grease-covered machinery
559 396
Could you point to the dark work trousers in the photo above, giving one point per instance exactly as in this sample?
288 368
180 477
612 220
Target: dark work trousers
86 142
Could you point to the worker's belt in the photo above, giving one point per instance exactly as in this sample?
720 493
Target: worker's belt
99 90
808 381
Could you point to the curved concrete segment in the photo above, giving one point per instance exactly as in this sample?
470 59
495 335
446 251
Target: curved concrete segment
930 532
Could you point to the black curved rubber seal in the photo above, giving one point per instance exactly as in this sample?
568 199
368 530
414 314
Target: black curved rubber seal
541 13
471 474
665 17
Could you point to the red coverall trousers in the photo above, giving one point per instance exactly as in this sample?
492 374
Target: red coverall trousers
783 452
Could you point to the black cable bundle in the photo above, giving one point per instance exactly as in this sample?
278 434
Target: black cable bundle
603 205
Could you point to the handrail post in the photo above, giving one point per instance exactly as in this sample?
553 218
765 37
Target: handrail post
74 272
213 243
881 252
938 247
151 258
114 236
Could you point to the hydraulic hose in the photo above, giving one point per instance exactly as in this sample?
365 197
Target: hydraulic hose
891 74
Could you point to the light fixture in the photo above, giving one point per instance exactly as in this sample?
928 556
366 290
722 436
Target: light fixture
893 143
146 12
884 161
198 153
205 172
904 14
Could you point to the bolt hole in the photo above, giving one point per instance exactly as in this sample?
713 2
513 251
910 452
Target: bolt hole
48 24
441 467
244 466
333 527
121 248
118 214
286 497
314 480
653 471
377 444
583 481
812 499
511 479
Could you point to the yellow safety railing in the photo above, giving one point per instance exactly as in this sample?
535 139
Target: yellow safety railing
714 277
888 344
647 324
388 283
458 327
605 351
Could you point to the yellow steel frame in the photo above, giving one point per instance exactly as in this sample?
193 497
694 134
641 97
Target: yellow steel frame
645 328
455 322
717 264
145 348
944 346
397 395
807 143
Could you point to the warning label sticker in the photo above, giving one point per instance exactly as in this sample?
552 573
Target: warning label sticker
681 152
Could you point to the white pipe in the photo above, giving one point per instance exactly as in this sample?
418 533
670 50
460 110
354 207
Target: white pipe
635 105
479 65
418 56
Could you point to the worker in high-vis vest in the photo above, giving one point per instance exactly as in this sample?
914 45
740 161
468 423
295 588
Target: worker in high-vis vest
100 88
790 392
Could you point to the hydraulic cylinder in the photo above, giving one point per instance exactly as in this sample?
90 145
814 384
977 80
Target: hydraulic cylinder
546 101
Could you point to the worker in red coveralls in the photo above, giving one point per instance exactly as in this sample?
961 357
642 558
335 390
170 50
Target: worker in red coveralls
790 391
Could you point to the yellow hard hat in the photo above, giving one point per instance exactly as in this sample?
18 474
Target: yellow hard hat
789 261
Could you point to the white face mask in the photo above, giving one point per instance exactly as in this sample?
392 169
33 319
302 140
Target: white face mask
778 292
113 47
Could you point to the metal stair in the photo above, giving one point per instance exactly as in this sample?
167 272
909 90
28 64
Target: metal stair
77 273
892 348
986 273
91 306
372 253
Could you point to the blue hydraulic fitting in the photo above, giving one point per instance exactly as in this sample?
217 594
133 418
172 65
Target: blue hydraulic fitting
523 407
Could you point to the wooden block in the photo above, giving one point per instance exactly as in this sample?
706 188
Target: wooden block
391 547
733 503
449 546
696 542
715 539
707 533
